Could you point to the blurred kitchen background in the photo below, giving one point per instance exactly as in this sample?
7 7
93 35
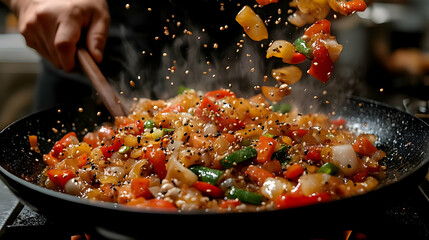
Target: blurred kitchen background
19 66
386 52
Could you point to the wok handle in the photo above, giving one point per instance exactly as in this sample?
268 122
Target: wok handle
105 91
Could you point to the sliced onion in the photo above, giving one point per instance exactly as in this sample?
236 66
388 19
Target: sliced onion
313 183
174 148
137 168
175 170
281 49
74 186
274 187
345 158
300 19
318 9
210 129
273 93
115 171
288 74
334 48
252 24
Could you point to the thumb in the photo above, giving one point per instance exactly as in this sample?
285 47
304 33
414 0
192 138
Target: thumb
97 36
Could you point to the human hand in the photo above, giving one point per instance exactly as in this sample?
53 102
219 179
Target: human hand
54 28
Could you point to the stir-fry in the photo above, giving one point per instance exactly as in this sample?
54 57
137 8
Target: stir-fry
215 152
316 44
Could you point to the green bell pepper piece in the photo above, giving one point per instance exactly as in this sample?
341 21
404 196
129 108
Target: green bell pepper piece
238 156
328 168
301 47
244 196
206 174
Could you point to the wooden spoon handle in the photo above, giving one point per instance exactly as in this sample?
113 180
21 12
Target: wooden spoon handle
107 95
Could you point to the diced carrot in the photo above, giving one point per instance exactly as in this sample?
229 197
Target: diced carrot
160 204
257 175
265 149
198 140
140 187
355 6
33 143
294 171
274 166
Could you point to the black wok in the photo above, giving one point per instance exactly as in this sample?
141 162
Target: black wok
404 138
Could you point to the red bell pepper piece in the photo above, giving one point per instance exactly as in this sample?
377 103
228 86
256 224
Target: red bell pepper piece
360 176
173 108
339 122
296 134
205 105
60 177
207 110
62 143
266 2
364 147
265 148
82 160
322 65
219 94
313 154
208 189
157 158
109 150
321 26
293 200
297 58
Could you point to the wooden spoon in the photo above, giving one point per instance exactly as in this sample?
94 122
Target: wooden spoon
107 95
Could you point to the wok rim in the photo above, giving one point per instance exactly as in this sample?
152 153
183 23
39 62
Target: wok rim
133 210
